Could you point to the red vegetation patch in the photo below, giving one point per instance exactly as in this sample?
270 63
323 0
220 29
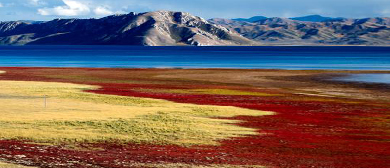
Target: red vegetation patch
302 134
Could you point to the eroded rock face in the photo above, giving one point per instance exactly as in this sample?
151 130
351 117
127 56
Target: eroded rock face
158 28
370 31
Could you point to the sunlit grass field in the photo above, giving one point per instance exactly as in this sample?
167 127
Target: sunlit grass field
71 116
8 165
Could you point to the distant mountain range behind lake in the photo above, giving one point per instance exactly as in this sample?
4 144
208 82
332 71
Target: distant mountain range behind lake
167 28
310 18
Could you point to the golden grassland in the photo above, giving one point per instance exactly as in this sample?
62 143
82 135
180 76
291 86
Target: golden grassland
9 165
74 116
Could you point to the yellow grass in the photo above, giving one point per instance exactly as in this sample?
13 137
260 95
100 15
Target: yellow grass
73 116
9 165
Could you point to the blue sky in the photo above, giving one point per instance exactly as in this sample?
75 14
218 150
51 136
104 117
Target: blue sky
50 9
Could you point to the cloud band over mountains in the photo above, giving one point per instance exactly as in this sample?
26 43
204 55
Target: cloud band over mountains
71 8
50 9
75 8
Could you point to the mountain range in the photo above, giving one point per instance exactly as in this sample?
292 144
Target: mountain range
161 28
168 28
310 18
335 31
252 19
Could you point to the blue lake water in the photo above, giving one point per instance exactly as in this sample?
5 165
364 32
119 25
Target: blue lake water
351 58
366 78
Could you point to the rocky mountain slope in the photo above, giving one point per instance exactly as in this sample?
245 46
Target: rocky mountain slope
166 28
281 31
159 28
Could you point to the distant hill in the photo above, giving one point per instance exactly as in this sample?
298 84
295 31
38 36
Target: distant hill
310 18
283 31
314 18
160 28
252 19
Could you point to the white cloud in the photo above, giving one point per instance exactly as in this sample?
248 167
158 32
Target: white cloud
102 11
386 12
1 5
36 2
71 8
121 12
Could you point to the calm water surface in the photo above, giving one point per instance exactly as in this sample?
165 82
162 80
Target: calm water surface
351 58
292 58
366 78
